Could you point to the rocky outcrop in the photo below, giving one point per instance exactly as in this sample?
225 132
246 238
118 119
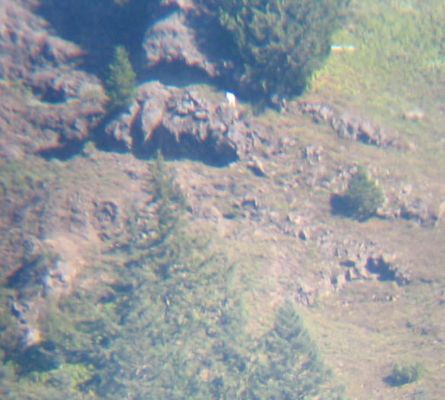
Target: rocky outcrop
46 101
43 274
420 203
420 211
184 123
187 36
29 125
377 267
350 126
385 268
26 46
52 234
173 39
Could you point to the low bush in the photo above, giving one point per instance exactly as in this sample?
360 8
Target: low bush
362 198
404 374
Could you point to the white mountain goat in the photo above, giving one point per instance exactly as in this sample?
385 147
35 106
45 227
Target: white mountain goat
231 99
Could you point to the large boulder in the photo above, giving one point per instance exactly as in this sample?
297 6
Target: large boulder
184 122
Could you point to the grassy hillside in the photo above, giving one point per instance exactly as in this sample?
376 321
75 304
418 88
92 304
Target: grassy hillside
397 67
395 70
278 230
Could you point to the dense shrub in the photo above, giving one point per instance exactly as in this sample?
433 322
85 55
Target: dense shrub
362 199
280 43
404 374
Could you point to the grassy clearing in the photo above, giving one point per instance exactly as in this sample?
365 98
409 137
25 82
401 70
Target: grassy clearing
362 347
398 50
23 175
397 66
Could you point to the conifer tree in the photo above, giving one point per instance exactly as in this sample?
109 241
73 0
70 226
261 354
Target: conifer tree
170 309
121 79
280 43
287 364
171 313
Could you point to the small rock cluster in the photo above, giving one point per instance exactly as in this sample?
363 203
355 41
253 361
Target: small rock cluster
420 205
420 212
41 275
351 127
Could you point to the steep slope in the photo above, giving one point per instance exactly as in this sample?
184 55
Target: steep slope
372 293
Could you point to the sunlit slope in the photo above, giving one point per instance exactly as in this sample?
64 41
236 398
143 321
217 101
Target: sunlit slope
390 60
388 64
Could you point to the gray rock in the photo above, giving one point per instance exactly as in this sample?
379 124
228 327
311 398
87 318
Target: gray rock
313 153
250 202
351 126
419 211
173 39
304 234
385 268
151 118
184 122
106 218
306 294
257 167
338 281
120 128
32 248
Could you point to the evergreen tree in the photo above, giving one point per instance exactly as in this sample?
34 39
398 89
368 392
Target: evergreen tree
279 42
287 363
121 79
174 304
163 328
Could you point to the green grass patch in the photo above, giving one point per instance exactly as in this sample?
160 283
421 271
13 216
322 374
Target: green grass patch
398 54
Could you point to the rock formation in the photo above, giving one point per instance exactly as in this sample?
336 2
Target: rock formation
184 122
46 101
173 39
350 126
